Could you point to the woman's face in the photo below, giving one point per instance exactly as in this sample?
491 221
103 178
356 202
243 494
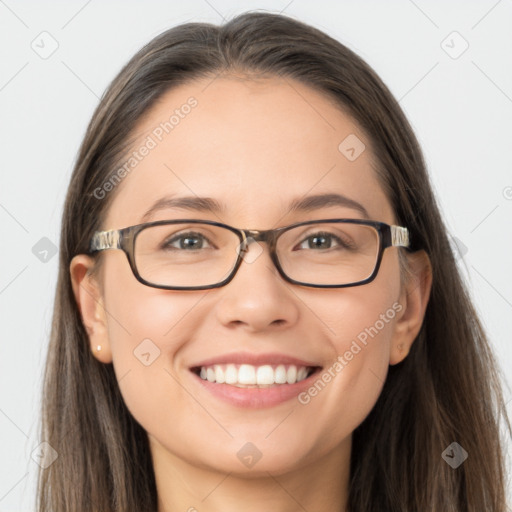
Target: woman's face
254 147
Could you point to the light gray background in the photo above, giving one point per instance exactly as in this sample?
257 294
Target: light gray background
460 108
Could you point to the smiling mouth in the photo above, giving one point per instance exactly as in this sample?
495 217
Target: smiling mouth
251 376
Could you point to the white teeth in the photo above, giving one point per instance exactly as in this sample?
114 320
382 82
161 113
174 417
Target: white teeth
302 373
219 374
265 375
231 374
291 375
280 375
247 375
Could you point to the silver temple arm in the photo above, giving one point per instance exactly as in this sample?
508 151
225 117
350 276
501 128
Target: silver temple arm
102 240
399 236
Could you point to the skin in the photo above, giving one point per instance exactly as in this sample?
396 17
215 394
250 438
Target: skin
254 145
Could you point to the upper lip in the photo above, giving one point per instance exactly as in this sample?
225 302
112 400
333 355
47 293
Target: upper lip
254 359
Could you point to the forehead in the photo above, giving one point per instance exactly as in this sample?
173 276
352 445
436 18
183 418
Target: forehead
253 145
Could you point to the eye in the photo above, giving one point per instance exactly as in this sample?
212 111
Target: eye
186 241
324 240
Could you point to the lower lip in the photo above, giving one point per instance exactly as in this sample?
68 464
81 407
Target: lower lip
256 398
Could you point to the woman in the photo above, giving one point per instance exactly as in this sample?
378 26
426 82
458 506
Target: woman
287 328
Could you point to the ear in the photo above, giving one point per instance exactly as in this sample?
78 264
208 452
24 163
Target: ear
89 298
414 297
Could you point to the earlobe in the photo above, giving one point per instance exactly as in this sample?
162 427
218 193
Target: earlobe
89 299
414 297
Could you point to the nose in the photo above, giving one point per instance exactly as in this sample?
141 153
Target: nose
257 297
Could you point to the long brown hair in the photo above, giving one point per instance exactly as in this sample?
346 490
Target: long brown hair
447 389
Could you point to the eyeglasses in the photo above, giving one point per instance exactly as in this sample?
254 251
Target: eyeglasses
200 254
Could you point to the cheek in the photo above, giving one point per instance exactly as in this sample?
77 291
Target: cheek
137 312
361 349
141 323
361 322
347 388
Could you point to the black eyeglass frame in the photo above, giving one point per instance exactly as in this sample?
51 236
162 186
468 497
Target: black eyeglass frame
124 239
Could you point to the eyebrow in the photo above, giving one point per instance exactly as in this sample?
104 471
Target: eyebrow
210 205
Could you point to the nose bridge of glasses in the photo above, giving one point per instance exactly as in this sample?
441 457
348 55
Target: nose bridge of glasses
257 235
